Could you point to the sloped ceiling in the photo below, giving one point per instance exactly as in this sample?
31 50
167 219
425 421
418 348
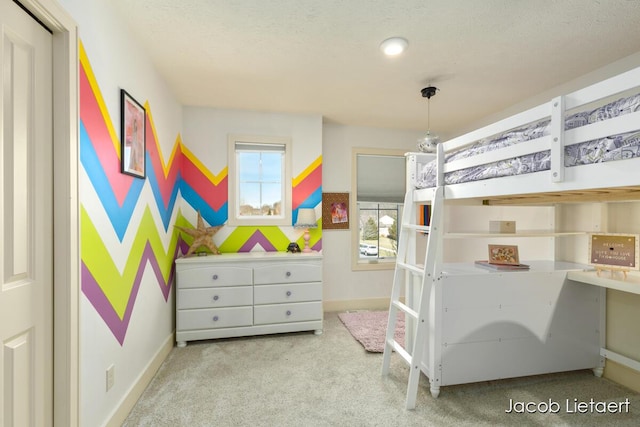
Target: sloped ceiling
323 57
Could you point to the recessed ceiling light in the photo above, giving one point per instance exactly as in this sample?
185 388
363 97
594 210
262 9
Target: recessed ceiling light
394 46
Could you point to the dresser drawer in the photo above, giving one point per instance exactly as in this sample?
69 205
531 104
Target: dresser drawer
285 313
214 297
210 276
287 273
294 292
212 318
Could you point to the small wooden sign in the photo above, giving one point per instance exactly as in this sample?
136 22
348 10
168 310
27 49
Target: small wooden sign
615 252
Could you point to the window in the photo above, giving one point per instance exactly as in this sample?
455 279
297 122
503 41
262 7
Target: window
378 182
378 230
259 180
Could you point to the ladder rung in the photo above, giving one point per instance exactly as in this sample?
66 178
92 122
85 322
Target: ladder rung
400 350
405 308
410 267
424 228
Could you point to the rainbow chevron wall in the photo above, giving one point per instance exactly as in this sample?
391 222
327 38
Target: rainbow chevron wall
127 223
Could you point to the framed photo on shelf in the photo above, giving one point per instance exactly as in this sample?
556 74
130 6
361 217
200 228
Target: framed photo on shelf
335 211
504 254
133 136
614 251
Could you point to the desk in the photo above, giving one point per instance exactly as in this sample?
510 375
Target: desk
631 284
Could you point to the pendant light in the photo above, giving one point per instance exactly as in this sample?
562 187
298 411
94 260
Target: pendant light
429 142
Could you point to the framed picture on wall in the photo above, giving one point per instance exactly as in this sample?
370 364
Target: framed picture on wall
335 211
132 134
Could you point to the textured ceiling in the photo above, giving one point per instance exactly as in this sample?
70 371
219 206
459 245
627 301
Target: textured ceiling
323 57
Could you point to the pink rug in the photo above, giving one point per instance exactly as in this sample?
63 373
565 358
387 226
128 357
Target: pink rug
370 327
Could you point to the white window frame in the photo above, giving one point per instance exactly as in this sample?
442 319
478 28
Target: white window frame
233 218
358 263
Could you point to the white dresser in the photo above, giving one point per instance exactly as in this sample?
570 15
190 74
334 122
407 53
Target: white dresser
240 294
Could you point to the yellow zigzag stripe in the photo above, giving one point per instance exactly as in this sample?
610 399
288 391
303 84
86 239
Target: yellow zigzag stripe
305 173
165 166
215 179
84 60
117 286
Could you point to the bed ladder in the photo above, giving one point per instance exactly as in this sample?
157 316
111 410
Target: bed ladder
406 271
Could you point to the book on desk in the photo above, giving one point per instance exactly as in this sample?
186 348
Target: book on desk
502 267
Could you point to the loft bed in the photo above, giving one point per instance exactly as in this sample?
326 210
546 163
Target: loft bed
584 145
479 325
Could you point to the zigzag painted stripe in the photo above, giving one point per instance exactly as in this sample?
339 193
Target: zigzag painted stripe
308 192
309 169
163 179
172 165
94 116
119 212
92 290
115 302
113 292
95 255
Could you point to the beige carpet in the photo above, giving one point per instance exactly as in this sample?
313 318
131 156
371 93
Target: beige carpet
328 380
369 328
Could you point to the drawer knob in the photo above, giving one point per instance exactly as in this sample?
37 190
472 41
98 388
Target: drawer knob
288 312
288 293
288 274
216 297
215 277
215 318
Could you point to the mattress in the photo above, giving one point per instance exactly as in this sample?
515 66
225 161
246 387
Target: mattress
615 147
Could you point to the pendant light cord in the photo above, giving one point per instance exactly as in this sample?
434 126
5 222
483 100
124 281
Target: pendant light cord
428 115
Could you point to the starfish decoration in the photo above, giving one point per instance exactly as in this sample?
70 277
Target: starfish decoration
202 236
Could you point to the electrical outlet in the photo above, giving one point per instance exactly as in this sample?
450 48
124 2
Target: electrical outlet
110 376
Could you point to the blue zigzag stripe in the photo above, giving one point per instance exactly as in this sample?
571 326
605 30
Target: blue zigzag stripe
313 200
212 217
165 214
119 216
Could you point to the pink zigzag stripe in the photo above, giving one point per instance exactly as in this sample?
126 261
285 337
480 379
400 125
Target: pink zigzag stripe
103 306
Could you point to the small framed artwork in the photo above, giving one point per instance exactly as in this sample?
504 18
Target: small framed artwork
504 254
335 211
614 251
132 133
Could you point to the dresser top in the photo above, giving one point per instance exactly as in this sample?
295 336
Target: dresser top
250 256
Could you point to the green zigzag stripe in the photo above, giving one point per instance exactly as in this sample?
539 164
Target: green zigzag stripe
240 235
115 285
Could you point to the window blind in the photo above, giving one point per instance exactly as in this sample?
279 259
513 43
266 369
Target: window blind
381 179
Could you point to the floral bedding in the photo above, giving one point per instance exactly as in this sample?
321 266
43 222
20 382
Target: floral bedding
615 147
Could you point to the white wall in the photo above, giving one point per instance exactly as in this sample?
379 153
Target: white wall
206 131
118 62
595 76
344 288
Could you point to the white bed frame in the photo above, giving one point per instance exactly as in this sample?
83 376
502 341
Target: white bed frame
559 178
485 325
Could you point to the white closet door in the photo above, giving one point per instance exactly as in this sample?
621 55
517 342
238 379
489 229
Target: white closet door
26 237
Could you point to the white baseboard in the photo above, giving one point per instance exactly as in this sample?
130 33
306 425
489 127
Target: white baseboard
356 304
129 401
